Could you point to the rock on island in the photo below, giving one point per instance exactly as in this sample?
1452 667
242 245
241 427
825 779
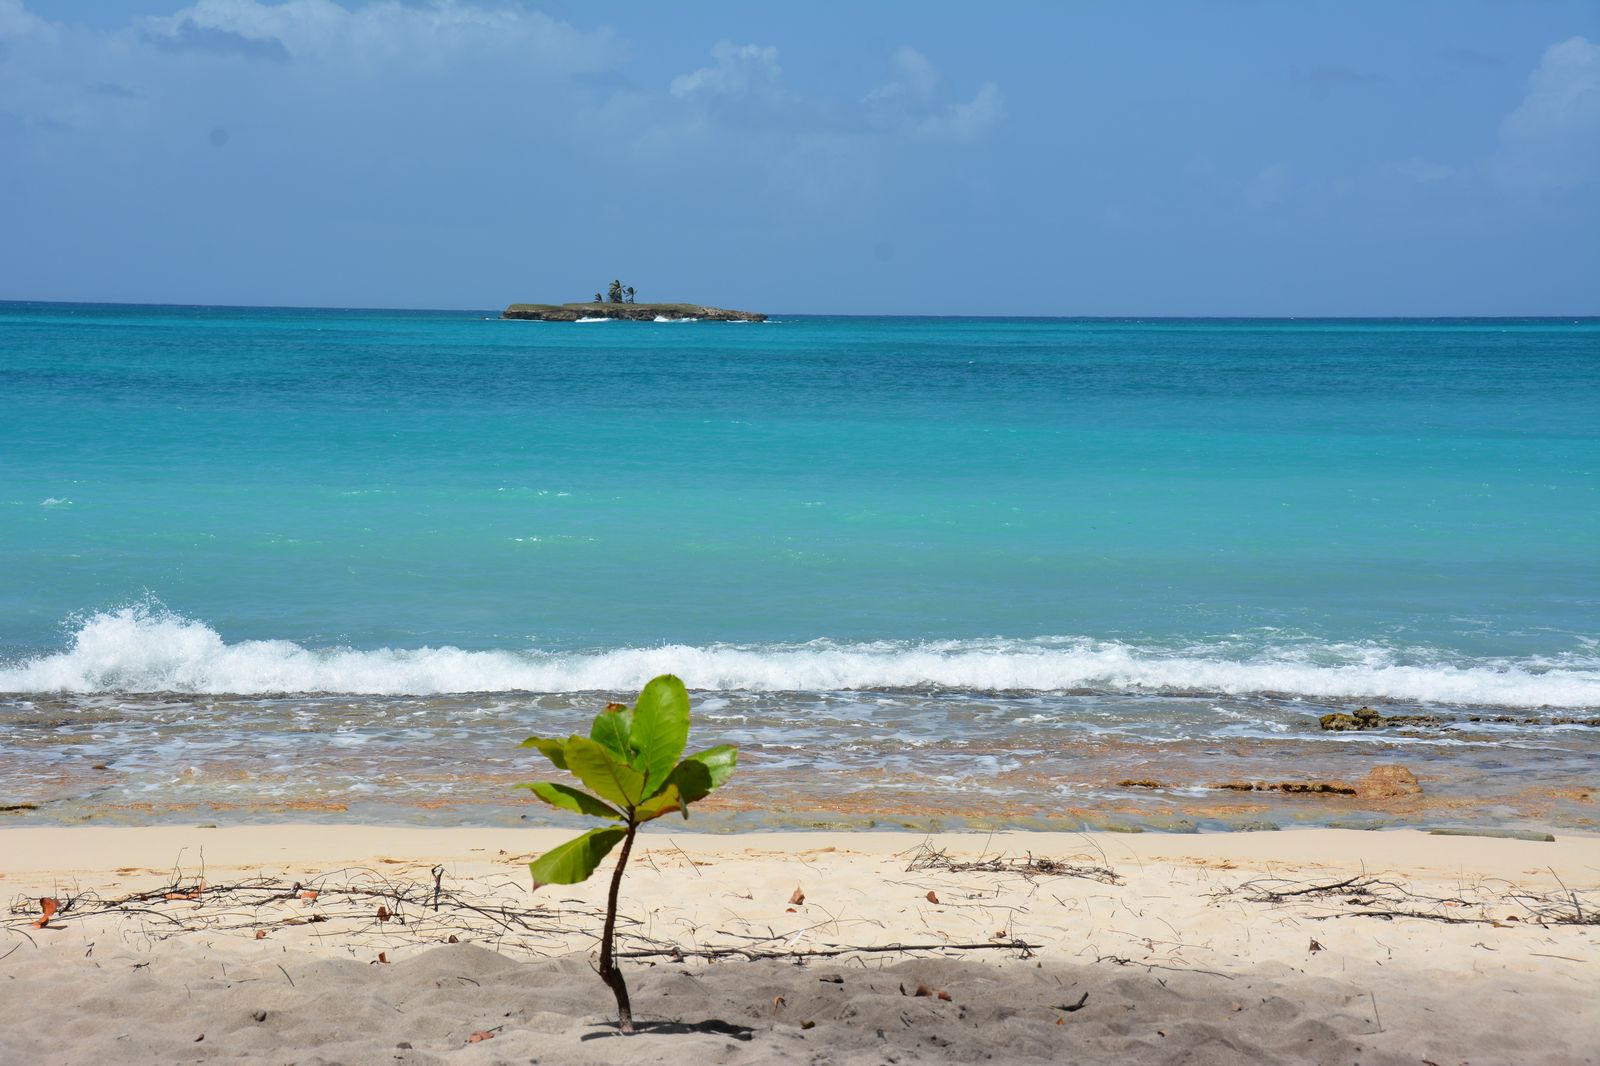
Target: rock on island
635 312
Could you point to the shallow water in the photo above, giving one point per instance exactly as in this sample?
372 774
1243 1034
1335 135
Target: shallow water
919 568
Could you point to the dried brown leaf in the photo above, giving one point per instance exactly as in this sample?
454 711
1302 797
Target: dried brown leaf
49 905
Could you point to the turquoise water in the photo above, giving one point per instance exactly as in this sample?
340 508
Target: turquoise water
267 502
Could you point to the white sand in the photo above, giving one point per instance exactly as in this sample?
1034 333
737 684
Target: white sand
1178 964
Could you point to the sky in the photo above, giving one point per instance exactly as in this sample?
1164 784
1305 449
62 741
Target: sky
1396 157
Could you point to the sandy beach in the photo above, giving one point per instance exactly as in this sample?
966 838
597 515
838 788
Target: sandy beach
361 944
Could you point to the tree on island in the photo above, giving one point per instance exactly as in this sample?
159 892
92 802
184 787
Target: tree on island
597 299
614 294
628 292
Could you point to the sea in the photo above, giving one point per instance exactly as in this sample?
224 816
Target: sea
308 564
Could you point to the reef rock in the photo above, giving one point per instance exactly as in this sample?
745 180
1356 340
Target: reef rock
1388 782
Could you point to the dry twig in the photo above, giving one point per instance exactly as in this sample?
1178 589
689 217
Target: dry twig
928 857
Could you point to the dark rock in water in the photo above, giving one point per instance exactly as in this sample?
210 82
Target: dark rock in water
1131 783
1381 782
1367 718
1336 788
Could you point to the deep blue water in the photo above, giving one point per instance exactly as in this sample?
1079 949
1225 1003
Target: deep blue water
1328 509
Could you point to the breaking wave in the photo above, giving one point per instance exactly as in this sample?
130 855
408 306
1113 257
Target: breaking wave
147 649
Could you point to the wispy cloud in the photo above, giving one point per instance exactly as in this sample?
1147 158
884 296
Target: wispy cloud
740 70
190 36
1552 139
911 102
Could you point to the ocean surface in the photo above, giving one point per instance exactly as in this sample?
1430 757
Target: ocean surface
285 563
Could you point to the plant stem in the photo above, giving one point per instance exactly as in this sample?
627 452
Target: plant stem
608 969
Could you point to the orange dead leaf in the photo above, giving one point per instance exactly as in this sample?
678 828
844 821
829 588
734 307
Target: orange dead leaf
309 893
932 993
49 905
778 1001
798 898
383 957
261 934
933 897
479 1037
383 913
790 910
452 939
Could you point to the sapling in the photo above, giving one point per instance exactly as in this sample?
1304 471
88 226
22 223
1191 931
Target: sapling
631 763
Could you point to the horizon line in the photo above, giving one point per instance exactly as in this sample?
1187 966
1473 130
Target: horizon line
843 314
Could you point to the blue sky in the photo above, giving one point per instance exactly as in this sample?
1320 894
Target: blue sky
1395 157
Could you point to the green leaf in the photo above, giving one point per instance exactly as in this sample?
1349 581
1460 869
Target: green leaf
699 774
664 802
568 798
606 775
660 727
720 760
550 747
575 860
611 728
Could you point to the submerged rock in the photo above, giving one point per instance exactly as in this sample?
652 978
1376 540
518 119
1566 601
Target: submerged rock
1367 718
1381 782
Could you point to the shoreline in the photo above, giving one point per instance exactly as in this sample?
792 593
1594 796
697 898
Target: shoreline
1185 947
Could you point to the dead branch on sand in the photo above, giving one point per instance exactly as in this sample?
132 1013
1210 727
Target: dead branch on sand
1373 897
360 908
928 857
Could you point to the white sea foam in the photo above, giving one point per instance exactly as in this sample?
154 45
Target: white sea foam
144 649
665 318
594 318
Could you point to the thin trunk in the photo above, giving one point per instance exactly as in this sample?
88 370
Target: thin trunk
608 970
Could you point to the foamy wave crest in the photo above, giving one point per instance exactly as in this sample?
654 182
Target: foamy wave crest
145 649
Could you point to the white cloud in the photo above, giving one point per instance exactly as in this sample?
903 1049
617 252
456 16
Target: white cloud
740 70
968 121
1552 139
910 102
17 22
291 65
915 79
385 32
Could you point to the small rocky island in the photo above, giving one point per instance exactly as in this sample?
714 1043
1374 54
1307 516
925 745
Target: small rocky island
635 312
618 303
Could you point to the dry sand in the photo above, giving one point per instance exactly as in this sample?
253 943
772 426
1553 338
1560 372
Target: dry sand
1442 950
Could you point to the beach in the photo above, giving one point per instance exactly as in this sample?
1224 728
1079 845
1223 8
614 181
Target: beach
1111 678
357 944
